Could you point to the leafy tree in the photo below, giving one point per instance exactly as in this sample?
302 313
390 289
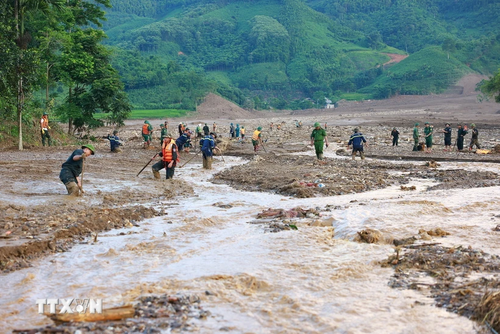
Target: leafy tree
449 46
491 87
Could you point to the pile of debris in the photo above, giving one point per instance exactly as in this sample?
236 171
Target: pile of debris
452 268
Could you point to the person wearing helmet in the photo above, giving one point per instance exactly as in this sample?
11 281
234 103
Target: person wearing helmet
474 139
115 142
147 130
72 168
357 140
44 129
169 159
257 138
163 133
318 139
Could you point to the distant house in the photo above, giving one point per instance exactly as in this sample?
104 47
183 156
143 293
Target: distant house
329 104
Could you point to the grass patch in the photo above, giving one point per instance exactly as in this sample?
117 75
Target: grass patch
151 113
356 96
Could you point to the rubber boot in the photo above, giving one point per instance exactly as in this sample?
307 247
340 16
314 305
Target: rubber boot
156 174
209 162
73 189
205 163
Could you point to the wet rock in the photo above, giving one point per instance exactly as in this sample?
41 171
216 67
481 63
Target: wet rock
404 188
371 236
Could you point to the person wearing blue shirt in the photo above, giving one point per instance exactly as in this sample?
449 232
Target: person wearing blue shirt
207 145
114 142
357 140
182 140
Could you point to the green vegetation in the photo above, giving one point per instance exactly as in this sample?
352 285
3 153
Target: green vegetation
277 53
151 113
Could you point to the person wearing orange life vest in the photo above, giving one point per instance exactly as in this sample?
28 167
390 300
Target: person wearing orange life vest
169 159
147 129
44 128
256 138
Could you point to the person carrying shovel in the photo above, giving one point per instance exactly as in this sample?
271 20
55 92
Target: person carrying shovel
73 167
169 159
318 139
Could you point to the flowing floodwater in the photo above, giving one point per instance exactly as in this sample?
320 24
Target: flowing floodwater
293 281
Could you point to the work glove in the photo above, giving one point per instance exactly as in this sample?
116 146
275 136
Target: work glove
43 131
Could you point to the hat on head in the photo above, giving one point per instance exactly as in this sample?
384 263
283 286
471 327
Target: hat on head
356 129
146 122
90 147
162 125
416 124
426 123
259 128
45 113
473 125
316 124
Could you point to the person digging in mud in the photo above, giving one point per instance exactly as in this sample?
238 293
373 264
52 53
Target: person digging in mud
72 168
257 138
319 139
206 130
207 145
474 139
182 140
428 132
357 140
115 142
447 137
395 136
44 129
416 136
169 159
147 130
461 132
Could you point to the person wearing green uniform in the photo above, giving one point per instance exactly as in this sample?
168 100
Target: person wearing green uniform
318 139
415 137
163 133
428 131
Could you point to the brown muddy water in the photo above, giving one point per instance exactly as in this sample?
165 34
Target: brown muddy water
316 279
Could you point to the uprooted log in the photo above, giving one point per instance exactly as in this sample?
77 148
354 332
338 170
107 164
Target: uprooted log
111 314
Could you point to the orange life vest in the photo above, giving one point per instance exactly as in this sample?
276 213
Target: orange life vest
44 123
167 151
145 129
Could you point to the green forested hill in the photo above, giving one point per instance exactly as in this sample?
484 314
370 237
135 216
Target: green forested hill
276 53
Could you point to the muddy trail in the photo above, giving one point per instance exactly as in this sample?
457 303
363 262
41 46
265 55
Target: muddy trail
210 237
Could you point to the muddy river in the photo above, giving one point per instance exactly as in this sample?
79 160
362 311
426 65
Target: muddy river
316 279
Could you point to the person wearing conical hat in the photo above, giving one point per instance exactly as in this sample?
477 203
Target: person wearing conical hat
72 168
318 139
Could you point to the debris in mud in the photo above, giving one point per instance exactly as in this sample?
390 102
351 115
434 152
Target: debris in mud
372 236
151 314
497 228
437 232
222 205
405 188
432 164
297 212
452 268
